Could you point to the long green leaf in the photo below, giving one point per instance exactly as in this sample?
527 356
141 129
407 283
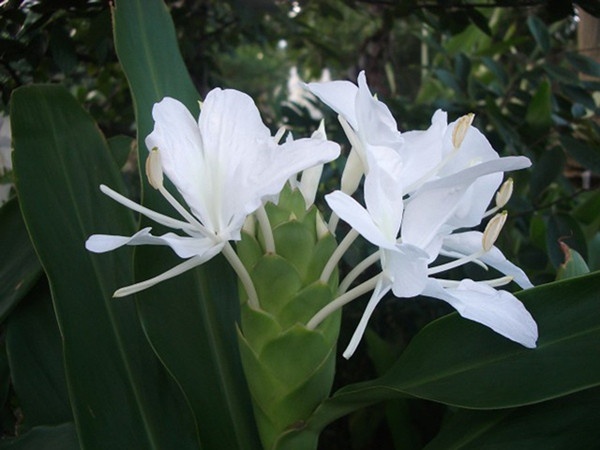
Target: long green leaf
189 320
462 363
566 422
120 395
20 267
58 437
34 350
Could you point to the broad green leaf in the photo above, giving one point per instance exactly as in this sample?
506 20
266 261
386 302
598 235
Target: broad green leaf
546 170
586 154
191 319
461 363
34 349
539 109
584 64
563 229
120 147
20 268
114 380
59 437
567 422
574 265
539 32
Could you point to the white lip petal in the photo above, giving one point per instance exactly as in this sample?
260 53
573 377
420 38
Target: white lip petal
498 310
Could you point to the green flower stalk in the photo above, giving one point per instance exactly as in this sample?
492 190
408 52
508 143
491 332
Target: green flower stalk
289 368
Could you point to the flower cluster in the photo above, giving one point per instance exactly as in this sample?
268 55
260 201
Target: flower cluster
423 191
421 188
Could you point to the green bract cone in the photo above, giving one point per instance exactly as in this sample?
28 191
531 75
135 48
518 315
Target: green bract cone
289 368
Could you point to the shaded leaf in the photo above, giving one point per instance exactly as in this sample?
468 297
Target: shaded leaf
115 381
461 363
34 349
21 268
59 437
190 320
573 266
539 32
567 422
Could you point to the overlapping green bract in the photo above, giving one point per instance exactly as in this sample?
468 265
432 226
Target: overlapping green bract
289 368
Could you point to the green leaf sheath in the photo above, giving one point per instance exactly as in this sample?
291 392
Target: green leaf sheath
289 368
190 320
461 363
114 380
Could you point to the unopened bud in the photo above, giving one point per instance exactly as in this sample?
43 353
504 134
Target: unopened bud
250 225
322 229
504 193
154 169
280 132
492 230
319 133
461 128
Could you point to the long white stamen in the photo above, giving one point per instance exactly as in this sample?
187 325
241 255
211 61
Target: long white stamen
242 274
157 217
496 282
265 228
456 255
178 269
342 300
186 215
337 254
360 268
457 263
333 222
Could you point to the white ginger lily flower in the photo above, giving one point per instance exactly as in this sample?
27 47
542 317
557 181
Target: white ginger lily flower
225 166
411 228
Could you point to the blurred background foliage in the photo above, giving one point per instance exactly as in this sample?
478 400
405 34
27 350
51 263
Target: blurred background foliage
528 69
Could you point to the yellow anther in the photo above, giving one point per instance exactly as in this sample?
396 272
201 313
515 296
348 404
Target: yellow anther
492 230
461 128
154 169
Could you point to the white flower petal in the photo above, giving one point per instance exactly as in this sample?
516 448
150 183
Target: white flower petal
183 246
358 217
407 267
376 125
426 213
469 242
339 96
498 310
422 150
178 139
383 191
383 287
353 172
